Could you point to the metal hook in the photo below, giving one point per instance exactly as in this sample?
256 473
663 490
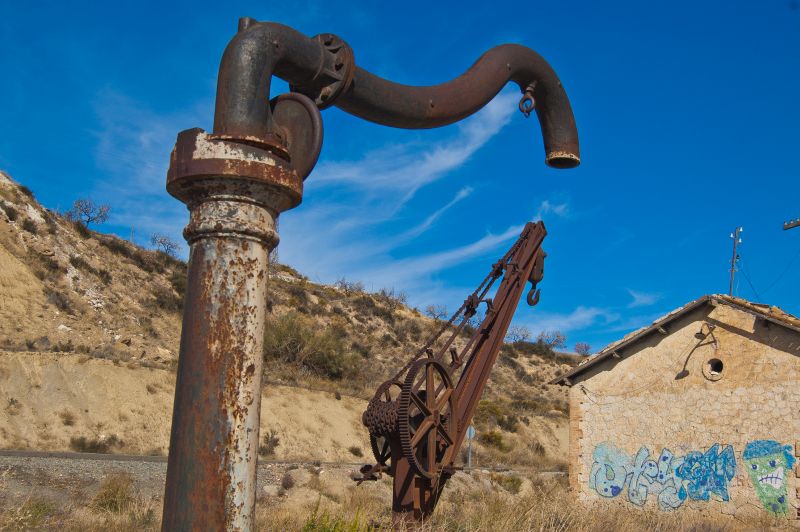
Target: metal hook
528 103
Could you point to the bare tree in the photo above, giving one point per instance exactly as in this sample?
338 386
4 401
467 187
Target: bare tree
518 333
437 312
164 244
582 348
86 211
554 339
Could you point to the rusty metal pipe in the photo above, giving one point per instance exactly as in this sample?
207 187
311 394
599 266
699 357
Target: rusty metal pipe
263 49
382 101
257 52
234 193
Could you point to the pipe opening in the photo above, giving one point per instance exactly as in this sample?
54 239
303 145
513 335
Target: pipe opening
562 160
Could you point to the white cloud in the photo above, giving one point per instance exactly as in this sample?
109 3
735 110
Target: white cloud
349 222
133 147
580 318
642 299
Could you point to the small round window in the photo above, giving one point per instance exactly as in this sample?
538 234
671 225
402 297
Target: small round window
713 369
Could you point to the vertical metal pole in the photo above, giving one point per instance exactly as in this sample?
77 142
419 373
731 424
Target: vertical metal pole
733 258
211 472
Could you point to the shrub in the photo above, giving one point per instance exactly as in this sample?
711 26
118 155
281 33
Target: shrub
81 229
537 448
298 293
437 312
296 340
269 442
355 450
104 275
80 263
67 418
115 494
63 347
510 483
87 211
25 190
167 299
178 281
29 516
164 244
59 300
82 444
30 226
494 438
392 299
287 482
11 212
349 288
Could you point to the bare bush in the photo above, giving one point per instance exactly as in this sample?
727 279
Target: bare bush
349 288
437 312
164 244
553 339
518 333
87 212
391 298
582 348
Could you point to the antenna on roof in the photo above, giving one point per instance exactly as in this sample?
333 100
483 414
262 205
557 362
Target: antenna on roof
735 258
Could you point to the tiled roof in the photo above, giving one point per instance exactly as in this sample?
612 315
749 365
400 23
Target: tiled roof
771 313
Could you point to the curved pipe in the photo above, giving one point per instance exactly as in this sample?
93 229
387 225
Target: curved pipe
259 51
378 100
263 49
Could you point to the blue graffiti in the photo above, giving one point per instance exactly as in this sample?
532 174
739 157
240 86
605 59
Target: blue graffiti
673 480
707 473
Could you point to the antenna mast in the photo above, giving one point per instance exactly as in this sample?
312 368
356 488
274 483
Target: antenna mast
735 258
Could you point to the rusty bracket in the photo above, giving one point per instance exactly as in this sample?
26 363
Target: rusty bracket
331 81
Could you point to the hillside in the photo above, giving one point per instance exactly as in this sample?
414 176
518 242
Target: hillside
89 332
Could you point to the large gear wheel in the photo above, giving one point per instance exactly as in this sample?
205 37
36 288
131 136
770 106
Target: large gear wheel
426 417
381 420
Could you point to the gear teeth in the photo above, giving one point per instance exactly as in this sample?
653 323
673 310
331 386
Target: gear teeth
404 402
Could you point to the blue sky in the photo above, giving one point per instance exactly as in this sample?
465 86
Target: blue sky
687 113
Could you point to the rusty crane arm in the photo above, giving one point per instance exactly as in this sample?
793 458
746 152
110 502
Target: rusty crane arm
236 180
416 433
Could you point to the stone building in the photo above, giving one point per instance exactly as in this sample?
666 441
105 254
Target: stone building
698 411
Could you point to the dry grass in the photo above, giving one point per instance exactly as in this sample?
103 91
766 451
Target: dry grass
547 507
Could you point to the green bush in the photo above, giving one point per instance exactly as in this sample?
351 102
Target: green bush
297 340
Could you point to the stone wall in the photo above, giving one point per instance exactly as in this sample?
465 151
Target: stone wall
646 433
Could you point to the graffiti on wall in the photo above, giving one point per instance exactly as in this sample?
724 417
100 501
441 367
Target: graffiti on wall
767 463
700 476
672 480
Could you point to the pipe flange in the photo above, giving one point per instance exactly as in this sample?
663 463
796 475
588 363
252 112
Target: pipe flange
335 75
202 164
